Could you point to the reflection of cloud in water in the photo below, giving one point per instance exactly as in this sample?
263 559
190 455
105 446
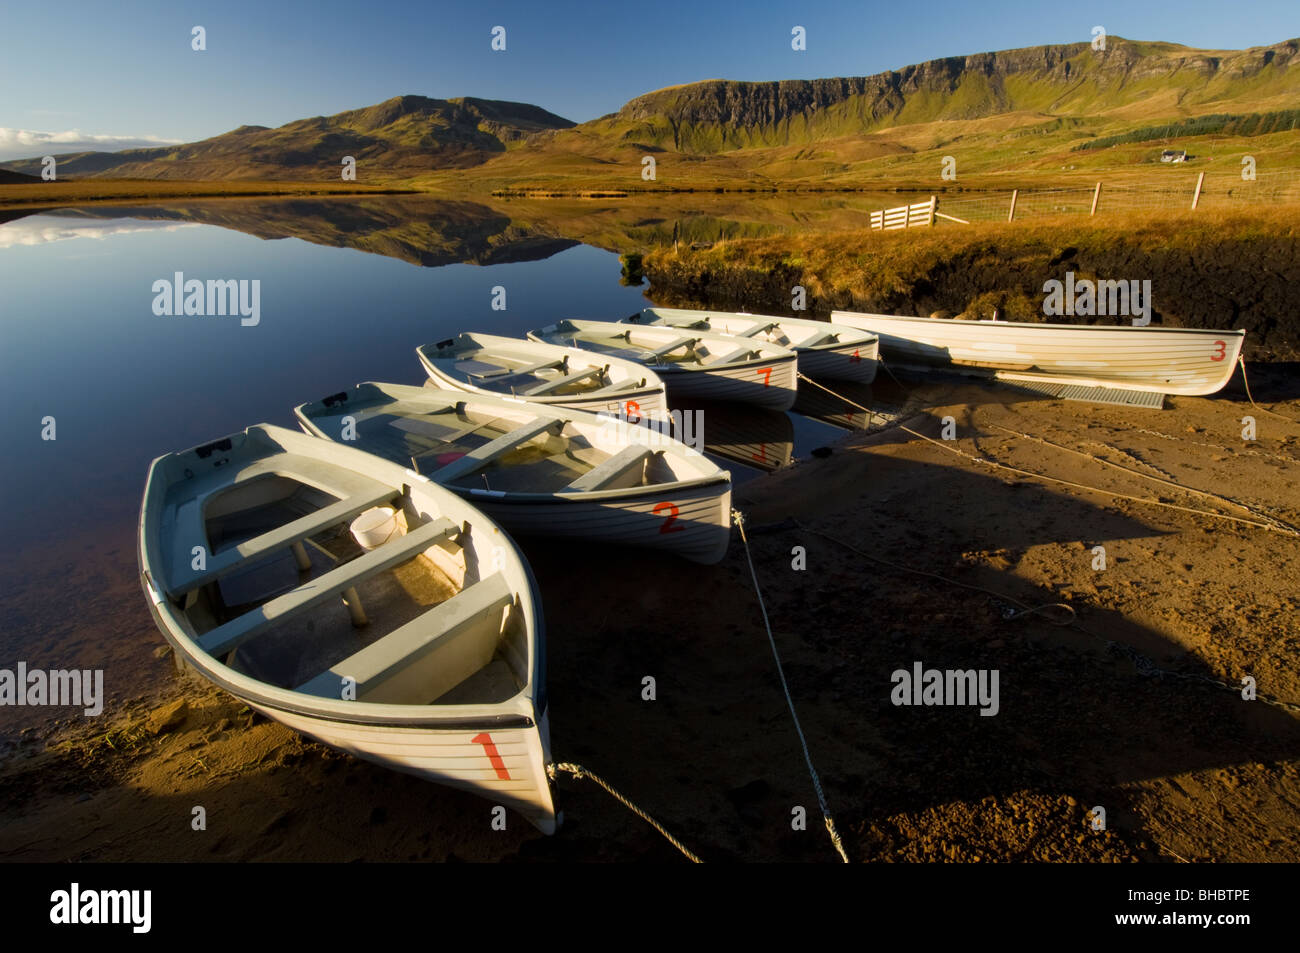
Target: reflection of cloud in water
44 229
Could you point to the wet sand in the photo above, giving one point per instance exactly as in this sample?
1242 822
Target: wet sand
1185 768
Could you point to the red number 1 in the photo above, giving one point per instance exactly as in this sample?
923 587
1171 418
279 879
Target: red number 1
490 748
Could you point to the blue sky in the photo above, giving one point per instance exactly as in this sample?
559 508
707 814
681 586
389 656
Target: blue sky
126 70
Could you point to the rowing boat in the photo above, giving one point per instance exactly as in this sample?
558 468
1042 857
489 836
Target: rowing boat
341 595
495 366
831 351
698 365
1163 360
541 470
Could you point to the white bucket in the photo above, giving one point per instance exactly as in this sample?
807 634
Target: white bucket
374 527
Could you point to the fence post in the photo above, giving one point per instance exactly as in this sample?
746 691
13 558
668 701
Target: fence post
1197 197
1096 196
1012 213
934 204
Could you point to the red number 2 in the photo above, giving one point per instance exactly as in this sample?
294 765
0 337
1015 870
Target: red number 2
490 748
1222 352
668 526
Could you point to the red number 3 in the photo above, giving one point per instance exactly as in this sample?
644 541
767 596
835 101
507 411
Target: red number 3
668 526
1222 352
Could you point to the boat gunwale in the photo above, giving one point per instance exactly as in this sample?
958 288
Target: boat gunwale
784 353
867 337
645 437
527 705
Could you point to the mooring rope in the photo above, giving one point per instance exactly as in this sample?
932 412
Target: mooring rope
871 414
579 772
739 519
1274 525
1242 362
1281 525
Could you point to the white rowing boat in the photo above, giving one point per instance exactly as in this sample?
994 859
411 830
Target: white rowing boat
1161 360
341 595
832 351
541 470
496 366
696 365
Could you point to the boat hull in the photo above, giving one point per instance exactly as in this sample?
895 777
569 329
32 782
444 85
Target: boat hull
691 522
515 777
647 402
771 384
1182 361
841 362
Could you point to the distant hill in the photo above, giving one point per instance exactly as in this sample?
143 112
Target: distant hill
17 178
1025 110
400 136
1128 80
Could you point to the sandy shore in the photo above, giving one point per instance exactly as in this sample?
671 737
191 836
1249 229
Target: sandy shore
1185 768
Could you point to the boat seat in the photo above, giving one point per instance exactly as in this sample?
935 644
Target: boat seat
546 387
228 637
673 346
527 369
359 493
480 457
757 329
826 337
428 656
735 355
606 472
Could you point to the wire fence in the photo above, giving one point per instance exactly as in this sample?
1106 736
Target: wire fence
1217 192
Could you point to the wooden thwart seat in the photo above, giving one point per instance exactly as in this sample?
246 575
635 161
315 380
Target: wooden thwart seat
398 668
480 457
826 337
545 387
610 470
361 494
736 355
526 369
673 346
756 330
228 637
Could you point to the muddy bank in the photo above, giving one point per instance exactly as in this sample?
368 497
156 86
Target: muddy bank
1136 709
1210 272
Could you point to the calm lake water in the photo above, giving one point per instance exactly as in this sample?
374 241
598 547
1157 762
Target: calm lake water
347 291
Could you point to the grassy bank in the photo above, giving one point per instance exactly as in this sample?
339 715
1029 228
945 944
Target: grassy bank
1207 269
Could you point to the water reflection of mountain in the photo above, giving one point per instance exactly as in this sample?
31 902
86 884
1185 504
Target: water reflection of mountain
430 231
416 229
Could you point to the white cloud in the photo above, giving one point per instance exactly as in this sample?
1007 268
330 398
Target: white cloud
29 143
43 229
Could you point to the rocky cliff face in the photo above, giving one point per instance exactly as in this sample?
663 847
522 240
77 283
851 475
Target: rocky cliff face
1043 75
